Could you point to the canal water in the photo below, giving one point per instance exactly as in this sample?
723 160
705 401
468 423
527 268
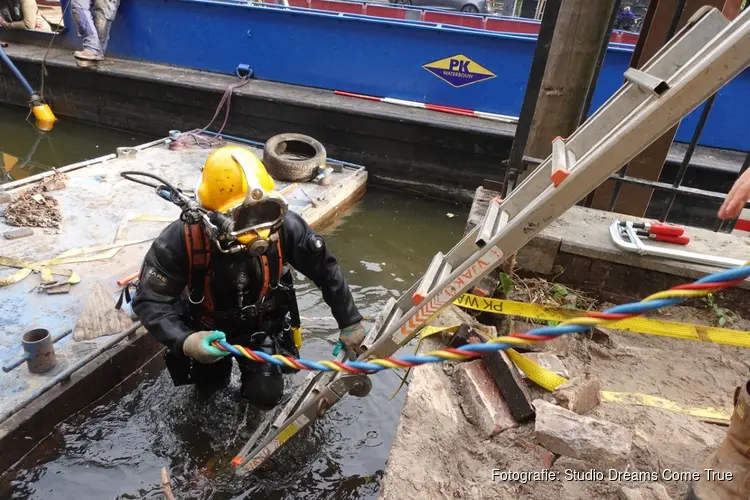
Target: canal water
116 448
26 151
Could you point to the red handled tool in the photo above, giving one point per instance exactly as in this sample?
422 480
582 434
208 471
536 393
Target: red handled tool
682 239
127 279
657 228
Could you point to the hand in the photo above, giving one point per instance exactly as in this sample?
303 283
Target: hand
198 346
737 197
352 338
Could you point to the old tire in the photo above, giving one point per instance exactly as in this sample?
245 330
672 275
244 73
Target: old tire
293 157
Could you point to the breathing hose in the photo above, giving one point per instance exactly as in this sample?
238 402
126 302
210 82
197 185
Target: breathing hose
24 82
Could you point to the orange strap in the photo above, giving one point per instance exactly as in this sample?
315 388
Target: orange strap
199 256
266 268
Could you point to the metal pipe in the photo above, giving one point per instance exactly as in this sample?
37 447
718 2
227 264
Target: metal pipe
689 154
531 96
19 76
25 357
65 374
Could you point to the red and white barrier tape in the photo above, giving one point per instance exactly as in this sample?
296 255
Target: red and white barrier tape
433 107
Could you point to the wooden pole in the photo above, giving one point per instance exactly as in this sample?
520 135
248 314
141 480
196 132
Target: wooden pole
631 199
578 41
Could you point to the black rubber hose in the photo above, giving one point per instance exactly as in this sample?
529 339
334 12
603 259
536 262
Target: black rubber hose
128 174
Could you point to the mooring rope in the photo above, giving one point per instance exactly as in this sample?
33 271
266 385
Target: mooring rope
702 287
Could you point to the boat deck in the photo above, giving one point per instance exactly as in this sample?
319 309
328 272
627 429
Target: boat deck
102 209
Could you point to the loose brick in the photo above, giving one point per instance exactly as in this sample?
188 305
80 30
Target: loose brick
579 394
481 400
19 233
594 441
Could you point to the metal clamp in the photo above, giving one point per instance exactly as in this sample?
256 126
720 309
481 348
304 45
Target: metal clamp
636 245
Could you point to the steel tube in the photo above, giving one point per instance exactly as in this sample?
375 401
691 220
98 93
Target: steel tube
69 371
40 351
17 362
689 154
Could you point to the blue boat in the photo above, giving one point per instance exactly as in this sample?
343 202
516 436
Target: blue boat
399 53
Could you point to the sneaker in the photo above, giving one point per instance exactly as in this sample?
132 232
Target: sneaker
87 55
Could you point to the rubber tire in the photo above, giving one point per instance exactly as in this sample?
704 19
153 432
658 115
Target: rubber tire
290 170
470 9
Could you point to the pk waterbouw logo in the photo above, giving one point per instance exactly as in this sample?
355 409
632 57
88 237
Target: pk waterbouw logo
459 70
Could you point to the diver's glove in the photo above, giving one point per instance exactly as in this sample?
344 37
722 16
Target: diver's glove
352 337
198 346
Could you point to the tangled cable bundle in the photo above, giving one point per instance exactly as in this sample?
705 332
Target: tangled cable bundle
704 286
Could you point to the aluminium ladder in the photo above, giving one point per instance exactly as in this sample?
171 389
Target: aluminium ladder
702 57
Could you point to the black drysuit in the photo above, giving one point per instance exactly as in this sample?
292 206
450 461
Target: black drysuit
160 303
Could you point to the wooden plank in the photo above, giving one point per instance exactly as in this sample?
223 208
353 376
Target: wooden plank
99 317
511 385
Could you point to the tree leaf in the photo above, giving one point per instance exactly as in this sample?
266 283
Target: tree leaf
722 321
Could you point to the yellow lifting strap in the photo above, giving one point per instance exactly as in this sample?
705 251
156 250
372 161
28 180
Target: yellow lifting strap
650 326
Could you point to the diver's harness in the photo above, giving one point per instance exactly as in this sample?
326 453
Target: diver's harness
204 228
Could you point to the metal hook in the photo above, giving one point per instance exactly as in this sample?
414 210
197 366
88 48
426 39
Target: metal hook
190 299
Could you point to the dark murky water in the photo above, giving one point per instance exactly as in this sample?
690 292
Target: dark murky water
25 151
117 448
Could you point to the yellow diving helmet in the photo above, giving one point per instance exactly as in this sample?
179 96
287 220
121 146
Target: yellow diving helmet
235 183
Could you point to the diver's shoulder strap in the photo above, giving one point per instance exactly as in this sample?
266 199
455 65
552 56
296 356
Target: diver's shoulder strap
272 267
198 249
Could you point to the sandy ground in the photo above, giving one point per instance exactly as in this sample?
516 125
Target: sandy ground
438 454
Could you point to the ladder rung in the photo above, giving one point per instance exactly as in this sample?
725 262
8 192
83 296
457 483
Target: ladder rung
444 273
428 280
646 82
493 220
393 318
377 327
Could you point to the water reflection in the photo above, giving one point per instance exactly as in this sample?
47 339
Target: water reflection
25 150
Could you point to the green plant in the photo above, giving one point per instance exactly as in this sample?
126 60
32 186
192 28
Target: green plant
506 283
721 314
558 292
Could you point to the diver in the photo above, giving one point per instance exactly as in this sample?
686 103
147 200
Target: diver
193 291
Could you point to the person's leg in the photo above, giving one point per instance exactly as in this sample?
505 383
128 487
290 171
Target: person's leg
732 457
104 12
81 11
208 378
262 383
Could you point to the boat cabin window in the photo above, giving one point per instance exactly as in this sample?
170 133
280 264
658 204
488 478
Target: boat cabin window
44 16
